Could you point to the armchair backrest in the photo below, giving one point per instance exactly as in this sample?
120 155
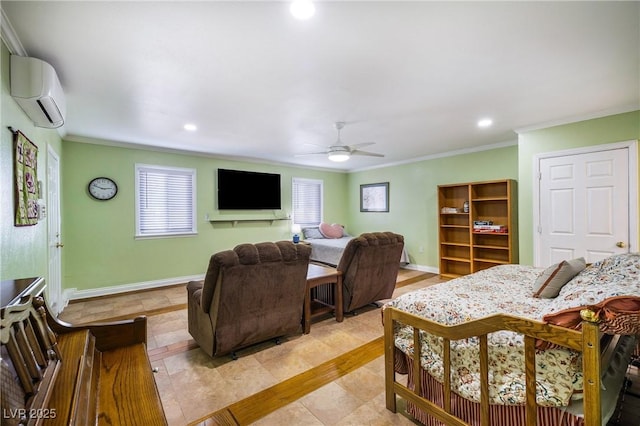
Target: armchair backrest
255 292
370 266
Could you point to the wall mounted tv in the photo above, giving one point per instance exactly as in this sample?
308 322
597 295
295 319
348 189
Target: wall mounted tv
243 190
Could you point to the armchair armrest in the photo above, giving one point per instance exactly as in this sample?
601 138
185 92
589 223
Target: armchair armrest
194 294
192 286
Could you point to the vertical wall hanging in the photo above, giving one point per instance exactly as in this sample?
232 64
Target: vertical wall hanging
26 180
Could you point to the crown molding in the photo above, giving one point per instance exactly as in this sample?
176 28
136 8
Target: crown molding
576 119
199 153
10 37
441 155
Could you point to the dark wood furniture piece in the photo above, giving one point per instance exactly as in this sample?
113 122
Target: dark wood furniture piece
465 248
320 281
54 373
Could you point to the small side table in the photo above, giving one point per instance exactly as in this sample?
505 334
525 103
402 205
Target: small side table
316 276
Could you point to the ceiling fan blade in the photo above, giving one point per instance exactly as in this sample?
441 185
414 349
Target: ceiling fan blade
360 145
367 153
340 149
311 153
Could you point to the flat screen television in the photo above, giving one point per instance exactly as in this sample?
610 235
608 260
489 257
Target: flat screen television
243 190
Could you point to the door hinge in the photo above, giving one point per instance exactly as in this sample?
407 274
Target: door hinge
539 229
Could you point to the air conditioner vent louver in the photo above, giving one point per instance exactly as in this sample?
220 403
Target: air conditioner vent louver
36 88
51 111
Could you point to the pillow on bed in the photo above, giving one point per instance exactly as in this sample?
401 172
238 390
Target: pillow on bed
551 281
311 233
331 231
617 315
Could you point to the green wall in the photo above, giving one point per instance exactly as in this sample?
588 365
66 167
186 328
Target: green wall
23 249
413 198
614 128
100 247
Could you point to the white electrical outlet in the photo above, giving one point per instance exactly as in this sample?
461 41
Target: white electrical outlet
421 249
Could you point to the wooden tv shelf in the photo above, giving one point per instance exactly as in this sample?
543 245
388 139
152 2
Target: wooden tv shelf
234 222
465 248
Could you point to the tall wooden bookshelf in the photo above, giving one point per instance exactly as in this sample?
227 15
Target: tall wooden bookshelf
464 247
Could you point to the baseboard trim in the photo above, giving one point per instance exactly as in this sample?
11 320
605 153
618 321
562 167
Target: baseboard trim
421 268
75 294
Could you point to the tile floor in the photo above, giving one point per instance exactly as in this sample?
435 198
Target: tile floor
193 385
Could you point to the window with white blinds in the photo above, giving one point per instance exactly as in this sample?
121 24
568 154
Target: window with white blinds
307 201
165 201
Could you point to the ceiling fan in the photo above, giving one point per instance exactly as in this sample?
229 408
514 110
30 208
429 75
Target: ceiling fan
340 152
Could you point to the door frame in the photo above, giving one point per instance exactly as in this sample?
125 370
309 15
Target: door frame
632 149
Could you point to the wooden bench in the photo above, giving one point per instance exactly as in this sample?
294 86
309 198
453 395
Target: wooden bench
55 373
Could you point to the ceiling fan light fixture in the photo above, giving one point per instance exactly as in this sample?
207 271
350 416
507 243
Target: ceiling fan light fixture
339 152
339 157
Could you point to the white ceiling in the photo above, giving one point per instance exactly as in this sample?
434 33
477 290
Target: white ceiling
414 77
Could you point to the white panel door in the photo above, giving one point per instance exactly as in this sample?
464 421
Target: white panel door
584 206
54 281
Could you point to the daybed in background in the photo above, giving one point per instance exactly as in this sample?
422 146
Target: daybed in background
250 294
328 247
493 337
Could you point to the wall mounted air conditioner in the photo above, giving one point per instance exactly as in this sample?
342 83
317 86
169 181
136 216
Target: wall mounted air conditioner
36 88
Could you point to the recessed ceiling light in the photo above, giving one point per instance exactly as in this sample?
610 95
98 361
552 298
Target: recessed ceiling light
485 122
302 9
190 127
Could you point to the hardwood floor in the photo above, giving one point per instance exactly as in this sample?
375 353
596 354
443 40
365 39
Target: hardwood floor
333 376
327 372
269 400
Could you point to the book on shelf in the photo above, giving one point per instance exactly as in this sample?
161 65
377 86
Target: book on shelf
450 210
490 228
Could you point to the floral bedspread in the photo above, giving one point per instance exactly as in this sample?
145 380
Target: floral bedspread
501 289
614 276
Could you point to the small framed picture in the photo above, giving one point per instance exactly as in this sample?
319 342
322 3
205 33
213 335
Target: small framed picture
374 197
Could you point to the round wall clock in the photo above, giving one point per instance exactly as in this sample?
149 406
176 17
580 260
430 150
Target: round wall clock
102 188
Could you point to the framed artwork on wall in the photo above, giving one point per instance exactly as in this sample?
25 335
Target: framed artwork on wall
26 180
374 197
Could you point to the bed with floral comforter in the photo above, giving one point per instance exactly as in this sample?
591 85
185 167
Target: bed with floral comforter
606 286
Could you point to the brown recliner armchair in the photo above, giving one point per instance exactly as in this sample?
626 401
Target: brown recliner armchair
369 266
250 294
